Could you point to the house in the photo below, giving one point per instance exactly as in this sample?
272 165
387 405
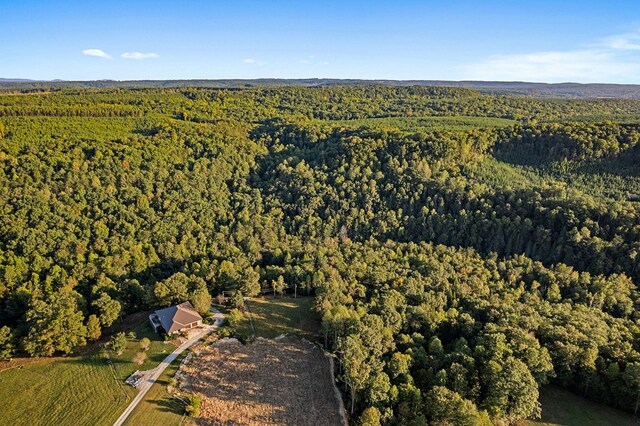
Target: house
175 319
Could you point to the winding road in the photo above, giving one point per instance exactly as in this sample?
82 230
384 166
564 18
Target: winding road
153 375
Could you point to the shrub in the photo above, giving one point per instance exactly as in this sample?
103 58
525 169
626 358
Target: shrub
193 407
234 317
145 343
140 358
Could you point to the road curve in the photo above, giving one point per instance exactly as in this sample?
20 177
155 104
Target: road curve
156 372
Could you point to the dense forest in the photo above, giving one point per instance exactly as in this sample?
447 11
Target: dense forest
464 249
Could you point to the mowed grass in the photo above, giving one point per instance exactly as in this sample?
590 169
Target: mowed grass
158 406
273 316
423 124
561 407
75 390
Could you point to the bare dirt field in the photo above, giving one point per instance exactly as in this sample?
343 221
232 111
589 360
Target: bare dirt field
273 382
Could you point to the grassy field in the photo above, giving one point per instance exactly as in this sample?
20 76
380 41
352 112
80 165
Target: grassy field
74 390
273 316
423 124
158 407
561 407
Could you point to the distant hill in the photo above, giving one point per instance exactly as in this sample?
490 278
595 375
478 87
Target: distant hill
538 90
14 80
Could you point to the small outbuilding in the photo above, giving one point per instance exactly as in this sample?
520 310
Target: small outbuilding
175 319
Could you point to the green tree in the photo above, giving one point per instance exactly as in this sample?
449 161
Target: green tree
512 391
6 343
356 367
250 283
55 325
445 407
93 327
631 377
234 317
200 297
278 286
237 299
370 417
377 390
174 289
118 343
108 309
399 364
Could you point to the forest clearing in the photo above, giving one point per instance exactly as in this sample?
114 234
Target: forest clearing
280 381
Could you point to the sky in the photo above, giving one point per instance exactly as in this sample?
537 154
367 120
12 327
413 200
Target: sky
517 40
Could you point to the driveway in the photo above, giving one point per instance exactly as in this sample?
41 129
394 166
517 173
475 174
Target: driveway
152 375
218 317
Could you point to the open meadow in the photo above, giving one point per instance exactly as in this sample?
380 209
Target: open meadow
563 408
273 316
76 390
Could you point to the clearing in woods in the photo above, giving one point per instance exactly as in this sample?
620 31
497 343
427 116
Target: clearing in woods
561 407
273 316
282 382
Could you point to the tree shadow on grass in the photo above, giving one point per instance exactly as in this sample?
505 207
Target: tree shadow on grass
167 405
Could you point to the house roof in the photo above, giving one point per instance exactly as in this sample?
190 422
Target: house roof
175 318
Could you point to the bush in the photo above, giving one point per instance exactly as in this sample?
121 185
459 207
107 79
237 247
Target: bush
234 317
224 332
242 338
193 407
145 343
140 358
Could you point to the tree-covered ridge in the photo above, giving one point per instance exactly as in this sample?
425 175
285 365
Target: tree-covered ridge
325 103
457 267
413 188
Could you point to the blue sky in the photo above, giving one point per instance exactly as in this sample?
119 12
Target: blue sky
551 41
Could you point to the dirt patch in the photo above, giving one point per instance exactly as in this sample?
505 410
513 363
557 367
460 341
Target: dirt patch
283 382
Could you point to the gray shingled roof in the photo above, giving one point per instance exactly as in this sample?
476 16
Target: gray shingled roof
175 318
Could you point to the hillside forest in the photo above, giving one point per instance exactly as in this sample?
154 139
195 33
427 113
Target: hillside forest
463 249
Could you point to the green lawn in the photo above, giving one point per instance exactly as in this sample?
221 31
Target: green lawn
158 407
273 316
561 407
75 390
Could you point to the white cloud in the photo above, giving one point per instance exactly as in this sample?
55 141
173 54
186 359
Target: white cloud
629 41
311 59
139 55
612 60
96 52
251 61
